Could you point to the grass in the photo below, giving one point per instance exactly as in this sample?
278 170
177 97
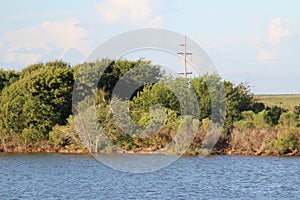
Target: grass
287 101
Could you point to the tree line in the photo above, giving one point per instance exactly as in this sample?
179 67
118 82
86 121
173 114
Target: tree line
36 110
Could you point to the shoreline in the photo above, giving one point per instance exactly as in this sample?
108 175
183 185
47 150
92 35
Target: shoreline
19 150
78 151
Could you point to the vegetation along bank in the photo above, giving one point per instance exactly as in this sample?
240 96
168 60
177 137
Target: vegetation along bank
36 113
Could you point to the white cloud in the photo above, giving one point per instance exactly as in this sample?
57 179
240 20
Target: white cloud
68 35
281 44
135 12
277 30
30 44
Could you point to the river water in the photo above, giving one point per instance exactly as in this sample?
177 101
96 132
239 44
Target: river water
67 176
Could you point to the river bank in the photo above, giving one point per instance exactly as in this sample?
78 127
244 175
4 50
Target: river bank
46 148
42 148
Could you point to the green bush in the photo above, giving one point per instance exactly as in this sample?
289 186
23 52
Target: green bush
243 125
297 110
287 141
62 136
273 114
258 107
32 135
260 121
205 124
288 119
58 136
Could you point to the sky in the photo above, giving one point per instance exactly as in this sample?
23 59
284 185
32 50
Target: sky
257 42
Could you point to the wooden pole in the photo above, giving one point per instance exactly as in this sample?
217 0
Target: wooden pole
184 53
184 70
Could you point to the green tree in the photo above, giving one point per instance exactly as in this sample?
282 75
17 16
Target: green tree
30 69
105 74
203 96
7 78
130 75
238 99
31 106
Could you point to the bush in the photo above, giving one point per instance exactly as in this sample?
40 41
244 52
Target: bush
258 107
297 110
260 121
273 114
252 120
243 125
287 141
288 119
247 120
62 136
32 135
252 141
205 124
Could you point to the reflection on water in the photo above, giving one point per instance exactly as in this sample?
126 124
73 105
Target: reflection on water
65 176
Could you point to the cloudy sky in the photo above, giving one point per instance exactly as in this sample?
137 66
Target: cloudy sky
249 41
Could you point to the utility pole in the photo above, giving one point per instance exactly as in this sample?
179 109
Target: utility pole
184 53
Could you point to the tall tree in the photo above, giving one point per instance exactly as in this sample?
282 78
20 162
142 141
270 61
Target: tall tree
33 105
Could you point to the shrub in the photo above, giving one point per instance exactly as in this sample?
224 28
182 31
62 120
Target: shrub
297 110
252 141
205 124
247 121
243 125
62 136
287 141
32 135
288 119
260 121
258 107
273 114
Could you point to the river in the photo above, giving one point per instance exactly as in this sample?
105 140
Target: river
68 176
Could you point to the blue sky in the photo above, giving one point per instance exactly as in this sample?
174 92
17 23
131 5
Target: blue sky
249 41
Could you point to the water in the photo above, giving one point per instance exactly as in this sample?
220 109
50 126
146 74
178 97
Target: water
65 176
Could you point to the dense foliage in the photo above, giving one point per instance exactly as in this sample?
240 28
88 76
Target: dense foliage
7 78
31 106
137 109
